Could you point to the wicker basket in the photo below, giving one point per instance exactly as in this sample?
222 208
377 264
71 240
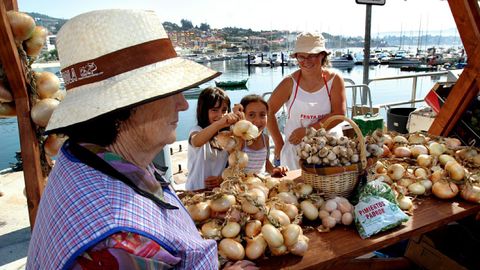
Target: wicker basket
337 181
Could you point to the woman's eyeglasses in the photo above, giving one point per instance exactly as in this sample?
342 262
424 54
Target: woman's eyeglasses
302 58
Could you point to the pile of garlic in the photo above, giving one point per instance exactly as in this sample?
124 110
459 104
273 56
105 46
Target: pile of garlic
320 148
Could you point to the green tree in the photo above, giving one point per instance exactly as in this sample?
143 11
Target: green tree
186 24
204 26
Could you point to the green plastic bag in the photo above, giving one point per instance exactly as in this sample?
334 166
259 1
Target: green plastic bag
368 122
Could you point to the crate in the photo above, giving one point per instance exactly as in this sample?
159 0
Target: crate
421 250
421 119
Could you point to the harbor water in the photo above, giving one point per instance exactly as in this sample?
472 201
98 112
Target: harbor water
261 80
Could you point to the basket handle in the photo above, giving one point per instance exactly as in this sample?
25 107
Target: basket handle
358 132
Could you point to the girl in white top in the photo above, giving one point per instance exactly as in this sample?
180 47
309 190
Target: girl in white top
206 160
256 109
311 94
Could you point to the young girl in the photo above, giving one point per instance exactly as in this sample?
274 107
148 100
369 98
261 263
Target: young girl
206 161
256 110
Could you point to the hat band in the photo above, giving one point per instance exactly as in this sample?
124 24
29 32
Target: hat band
117 62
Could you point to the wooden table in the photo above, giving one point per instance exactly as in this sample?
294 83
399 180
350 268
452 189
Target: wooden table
342 244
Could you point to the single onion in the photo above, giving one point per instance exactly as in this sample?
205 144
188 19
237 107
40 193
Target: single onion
200 211
455 170
47 84
22 25
255 247
309 210
223 203
416 189
404 202
347 218
400 139
278 251
418 149
424 160
231 229
231 249
245 129
35 43
436 149
301 247
291 210
290 234
444 189
42 111
471 193
252 228
272 235
420 173
402 151
280 216
444 158
211 229
395 171
417 138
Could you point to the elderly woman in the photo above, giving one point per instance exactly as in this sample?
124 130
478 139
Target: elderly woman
311 94
105 205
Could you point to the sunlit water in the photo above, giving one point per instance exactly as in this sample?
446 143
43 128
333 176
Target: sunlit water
261 80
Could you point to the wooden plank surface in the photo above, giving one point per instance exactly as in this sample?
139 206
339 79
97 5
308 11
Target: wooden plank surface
34 179
332 249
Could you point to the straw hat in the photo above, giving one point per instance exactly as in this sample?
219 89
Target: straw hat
308 42
112 59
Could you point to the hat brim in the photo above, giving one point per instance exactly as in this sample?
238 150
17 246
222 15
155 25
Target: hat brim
127 90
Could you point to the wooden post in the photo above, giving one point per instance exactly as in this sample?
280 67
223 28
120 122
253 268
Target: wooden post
13 67
467 17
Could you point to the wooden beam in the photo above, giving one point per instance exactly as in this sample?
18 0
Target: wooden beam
466 14
13 67
11 4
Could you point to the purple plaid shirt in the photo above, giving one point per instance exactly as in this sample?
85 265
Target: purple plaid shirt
82 206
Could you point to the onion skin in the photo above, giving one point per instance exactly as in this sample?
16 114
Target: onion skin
231 249
471 193
22 25
444 190
42 111
35 44
47 84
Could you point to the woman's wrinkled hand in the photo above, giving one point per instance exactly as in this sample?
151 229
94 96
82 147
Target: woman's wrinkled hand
297 135
212 182
240 265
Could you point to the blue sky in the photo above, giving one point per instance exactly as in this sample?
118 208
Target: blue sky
333 16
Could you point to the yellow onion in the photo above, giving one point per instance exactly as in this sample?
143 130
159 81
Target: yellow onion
471 193
42 111
53 143
290 209
400 139
238 158
253 228
416 188
347 218
436 149
255 247
223 203
418 149
249 208
309 210
455 170
444 158
290 233
444 189
424 160
271 182
420 173
476 160
211 229
280 216
5 95
35 43
287 197
47 84
404 202
452 142
231 229
22 25
417 138
7 109
226 140
231 249
245 129
199 212
272 235
395 171
437 175
402 151
301 247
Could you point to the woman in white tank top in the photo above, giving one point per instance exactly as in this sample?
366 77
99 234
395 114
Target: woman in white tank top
311 94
